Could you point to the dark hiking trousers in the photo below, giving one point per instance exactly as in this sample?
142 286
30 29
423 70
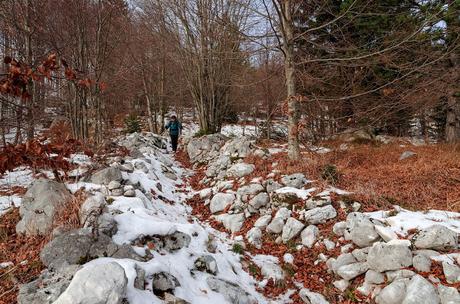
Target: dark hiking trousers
174 140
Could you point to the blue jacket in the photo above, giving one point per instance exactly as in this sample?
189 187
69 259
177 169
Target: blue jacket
174 127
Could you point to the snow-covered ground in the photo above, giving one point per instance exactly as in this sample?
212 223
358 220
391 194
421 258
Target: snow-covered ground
165 212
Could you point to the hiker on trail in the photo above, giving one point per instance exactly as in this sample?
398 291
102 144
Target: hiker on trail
175 128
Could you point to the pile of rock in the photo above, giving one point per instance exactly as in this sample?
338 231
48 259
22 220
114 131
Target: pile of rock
385 260
394 269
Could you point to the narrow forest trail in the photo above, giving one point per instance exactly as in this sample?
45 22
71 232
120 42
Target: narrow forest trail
218 222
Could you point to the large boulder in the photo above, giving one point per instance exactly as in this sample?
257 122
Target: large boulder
383 257
202 149
96 284
39 206
47 288
230 291
106 175
77 247
437 237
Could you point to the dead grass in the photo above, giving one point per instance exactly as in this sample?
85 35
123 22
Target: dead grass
68 217
377 177
24 252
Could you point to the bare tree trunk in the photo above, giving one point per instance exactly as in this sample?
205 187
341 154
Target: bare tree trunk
453 104
285 15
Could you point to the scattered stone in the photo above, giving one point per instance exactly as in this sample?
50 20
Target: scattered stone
320 215
206 263
106 175
220 201
240 169
383 257
110 280
276 226
420 291
39 206
451 272
393 293
361 254
448 295
422 263
205 193
366 288
272 185
360 230
346 248
291 229
342 260
114 185
163 282
309 236
204 148
231 291
355 206
351 271
312 297
259 200
296 180
254 237
232 222
272 270
399 274
139 281
328 244
341 285
436 237
248 191
407 154
288 258
91 208
339 228
172 299
165 243
116 192
385 233
283 213
130 193
374 277
263 221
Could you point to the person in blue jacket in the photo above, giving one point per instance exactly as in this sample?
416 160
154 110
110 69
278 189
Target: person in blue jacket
175 128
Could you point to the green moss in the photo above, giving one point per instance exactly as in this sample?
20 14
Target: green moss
238 249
